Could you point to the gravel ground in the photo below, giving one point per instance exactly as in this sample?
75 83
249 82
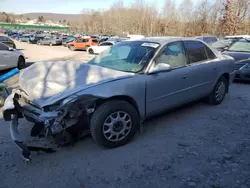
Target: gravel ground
195 146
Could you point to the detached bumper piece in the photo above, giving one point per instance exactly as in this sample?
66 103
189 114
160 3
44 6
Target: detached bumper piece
18 140
16 136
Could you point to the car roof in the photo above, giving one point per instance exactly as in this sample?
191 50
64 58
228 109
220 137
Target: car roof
164 40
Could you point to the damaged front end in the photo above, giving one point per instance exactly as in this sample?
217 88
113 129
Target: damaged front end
64 122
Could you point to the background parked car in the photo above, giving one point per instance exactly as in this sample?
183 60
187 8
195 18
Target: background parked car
68 40
10 58
7 41
239 50
208 39
35 39
25 38
222 45
82 44
243 70
101 47
50 41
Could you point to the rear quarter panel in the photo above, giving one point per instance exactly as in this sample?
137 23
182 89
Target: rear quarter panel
225 66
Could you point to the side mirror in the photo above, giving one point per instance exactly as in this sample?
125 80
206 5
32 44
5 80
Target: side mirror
11 49
159 68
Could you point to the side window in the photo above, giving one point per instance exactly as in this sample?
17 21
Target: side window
210 53
106 44
173 54
3 47
109 44
79 40
195 51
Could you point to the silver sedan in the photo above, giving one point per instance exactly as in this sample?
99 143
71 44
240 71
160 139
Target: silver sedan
115 92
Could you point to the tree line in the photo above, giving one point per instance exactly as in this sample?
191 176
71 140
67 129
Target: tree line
187 18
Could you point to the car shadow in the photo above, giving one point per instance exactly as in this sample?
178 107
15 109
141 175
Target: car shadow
241 82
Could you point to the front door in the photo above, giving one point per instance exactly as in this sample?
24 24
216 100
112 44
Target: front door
167 89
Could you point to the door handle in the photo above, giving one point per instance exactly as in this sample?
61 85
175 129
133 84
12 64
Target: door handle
185 77
215 69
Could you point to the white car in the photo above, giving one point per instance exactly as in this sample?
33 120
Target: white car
102 47
10 58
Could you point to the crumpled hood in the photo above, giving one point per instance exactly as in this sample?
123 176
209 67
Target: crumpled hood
48 82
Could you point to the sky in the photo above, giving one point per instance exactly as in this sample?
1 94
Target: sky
60 6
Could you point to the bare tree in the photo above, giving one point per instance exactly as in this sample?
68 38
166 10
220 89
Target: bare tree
187 18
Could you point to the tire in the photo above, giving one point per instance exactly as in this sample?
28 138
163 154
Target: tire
21 63
72 48
219 92
91 51
102 114
2 100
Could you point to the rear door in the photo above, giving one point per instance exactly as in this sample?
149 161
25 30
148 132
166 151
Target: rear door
202 68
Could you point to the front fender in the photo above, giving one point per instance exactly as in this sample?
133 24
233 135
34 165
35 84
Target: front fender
134 87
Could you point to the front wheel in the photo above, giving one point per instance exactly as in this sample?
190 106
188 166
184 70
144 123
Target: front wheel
114 123
219 91
91 51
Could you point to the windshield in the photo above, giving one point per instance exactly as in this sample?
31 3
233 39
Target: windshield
240 46
126 56
222 43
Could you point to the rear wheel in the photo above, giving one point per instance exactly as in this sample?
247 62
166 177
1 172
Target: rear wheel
219 91
114 123
21 63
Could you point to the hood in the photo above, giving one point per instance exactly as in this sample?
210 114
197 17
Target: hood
238 55
48 82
